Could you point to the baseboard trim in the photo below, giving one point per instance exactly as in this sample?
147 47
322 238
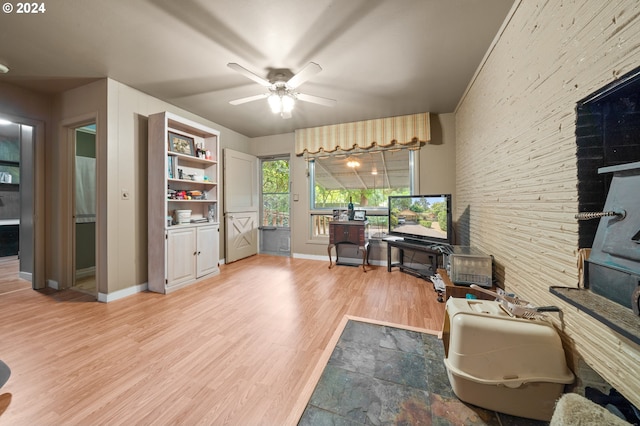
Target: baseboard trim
309 256
26 276
121 294
325 258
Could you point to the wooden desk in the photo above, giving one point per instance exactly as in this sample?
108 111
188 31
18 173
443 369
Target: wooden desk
452 290
348 232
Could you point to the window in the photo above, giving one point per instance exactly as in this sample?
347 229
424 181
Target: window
275 193
368 179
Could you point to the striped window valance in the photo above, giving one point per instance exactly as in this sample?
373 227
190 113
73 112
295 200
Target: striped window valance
402 131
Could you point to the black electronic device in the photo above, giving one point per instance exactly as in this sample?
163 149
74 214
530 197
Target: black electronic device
422 218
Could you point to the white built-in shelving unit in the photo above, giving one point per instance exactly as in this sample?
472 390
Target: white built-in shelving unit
183 173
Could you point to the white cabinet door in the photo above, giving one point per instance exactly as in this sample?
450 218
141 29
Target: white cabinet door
181 259
208 248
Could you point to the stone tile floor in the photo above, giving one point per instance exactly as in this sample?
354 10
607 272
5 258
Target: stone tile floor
380 375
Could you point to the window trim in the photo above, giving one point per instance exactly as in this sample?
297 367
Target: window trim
414 179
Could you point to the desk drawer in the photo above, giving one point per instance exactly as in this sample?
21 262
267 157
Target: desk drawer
347 232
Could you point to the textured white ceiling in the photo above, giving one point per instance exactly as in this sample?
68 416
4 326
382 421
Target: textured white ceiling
380 58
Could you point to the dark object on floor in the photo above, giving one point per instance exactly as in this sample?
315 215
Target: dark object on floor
615 403
5 373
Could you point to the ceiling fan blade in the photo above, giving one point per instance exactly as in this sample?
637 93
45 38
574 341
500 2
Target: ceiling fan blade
305 74
248 99
242 70
316 100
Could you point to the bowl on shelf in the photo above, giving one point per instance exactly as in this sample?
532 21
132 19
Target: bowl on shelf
182 216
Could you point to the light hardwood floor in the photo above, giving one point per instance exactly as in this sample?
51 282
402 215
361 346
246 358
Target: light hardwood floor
237 349
9 281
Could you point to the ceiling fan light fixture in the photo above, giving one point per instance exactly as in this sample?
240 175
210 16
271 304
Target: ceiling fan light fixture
287 103
275 103
281 103
282 85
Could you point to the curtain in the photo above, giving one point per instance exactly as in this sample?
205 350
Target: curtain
407 131
85 189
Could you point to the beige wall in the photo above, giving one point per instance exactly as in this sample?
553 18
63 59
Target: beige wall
438 158
127 169
19 102
121 114
70 109
516 157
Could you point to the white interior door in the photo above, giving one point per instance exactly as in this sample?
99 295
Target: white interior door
240 205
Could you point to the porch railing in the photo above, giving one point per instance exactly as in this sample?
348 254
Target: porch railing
275 218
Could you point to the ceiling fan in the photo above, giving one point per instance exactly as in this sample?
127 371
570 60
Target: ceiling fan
282 84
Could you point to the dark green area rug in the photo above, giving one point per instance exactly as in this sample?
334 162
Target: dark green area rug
382 375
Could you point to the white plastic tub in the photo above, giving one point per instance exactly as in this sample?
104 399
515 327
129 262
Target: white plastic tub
510 365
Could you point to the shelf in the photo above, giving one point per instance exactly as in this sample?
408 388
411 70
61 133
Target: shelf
191 158
189 181
620 319
171 200
411 265
192 225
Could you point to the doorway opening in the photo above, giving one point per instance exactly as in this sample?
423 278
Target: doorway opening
9 189
84 226
17 196
275 214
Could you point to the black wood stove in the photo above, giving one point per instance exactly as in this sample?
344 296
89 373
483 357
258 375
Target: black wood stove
613 267
612 271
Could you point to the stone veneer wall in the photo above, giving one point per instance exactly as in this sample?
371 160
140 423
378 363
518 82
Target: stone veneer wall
516 173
